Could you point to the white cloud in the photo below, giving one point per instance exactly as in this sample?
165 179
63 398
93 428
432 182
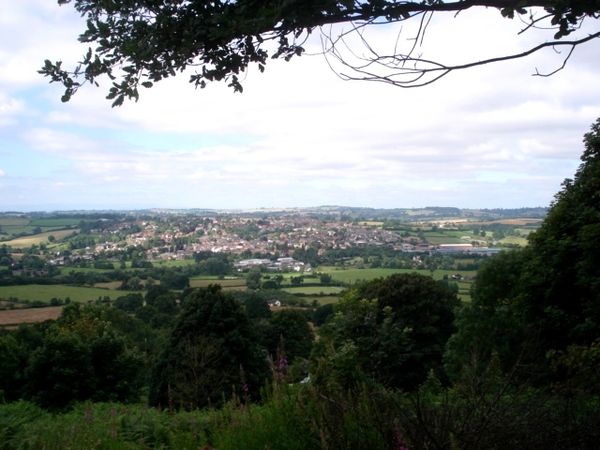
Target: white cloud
299 134
10 108
2 173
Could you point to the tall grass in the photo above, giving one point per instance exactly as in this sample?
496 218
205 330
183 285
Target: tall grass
308 417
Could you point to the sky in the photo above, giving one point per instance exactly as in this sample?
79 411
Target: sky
490 137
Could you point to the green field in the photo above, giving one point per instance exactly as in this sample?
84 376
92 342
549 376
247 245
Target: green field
448 237
515 240
62 222
46 292
353 275
13 221
236 284
36 239
173 263
109 285
66 270
321 299
314 290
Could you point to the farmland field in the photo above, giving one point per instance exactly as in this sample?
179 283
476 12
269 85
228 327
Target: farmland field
314 290
36 239
438 239
66 270
173 263
13 221
237 284
46 292
322 300
13 317
354 275
58 222
109 285
515 240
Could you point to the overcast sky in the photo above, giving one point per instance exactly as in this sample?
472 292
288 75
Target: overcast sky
494 136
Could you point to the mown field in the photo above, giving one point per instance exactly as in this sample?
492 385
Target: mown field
174 263
109 285
56 222
314 290
351 276
235 284
40 238
45 293
514 240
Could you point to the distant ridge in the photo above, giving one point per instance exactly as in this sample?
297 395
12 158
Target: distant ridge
324 211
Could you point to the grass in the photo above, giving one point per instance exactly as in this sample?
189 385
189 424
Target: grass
314 290
351 276
36 239
322 299
371 223
448 237
58 222
67 269
109 285
45 293
12 221
174 263
514 240
237 284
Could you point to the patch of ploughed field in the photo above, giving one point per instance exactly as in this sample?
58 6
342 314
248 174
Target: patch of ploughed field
12 318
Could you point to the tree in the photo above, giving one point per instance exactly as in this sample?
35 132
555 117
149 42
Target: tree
394 329
325 278
291 328
143 42
82 358
296 281
253 279
256 306
211 354
174 280
544 300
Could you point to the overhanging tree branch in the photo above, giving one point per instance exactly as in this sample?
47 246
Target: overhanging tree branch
140 42
398 74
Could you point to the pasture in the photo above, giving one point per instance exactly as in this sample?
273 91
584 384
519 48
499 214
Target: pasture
515 240
322 299
351 276
56 222
45 293
13 221
109 285
447 237
228 284
173 263
314 290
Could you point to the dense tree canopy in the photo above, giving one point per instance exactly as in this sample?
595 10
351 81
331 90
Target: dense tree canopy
212 354
394 329
83 357
140 42
533 306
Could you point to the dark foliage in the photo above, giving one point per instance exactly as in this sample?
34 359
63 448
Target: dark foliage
138 43
394 330
211 355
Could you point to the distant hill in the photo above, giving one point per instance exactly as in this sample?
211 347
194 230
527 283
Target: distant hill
327 211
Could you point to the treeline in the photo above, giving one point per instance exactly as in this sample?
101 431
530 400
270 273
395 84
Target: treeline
37 271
